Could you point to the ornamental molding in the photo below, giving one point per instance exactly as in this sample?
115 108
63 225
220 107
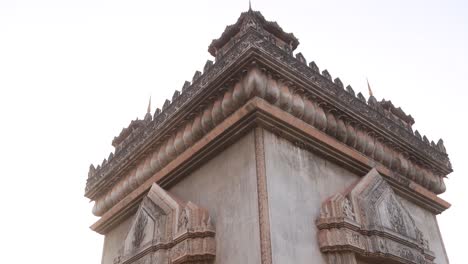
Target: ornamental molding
259 83
368 220
168 230
258 112
302 80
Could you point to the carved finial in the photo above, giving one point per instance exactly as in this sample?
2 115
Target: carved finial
326 74
372 102
104 162
175 95
149 106
440 145
92 171
196 76
361 97
148 116
207 66
185 86
368 87
111 156
157 112
314 66
166 104
338 82
416 133
350 90
301 58
426 140
433 144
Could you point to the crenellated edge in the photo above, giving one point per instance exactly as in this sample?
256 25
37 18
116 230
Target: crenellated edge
97 175
260 83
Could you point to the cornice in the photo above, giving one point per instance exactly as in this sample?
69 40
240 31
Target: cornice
258 112
335 97
303 80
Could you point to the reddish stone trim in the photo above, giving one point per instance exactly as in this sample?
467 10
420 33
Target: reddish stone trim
167 229
258 111
339 109
262 191
369 220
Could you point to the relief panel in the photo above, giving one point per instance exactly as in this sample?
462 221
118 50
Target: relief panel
168 230
368 221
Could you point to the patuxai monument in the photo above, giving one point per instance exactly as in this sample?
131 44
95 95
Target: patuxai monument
264 158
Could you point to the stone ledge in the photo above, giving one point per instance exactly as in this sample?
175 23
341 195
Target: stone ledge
259 112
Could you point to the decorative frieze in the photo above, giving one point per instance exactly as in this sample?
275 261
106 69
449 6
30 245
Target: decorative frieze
168 230
376 129
257 83
369 221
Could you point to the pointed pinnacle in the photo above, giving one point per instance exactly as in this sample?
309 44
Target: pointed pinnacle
368 87
149 106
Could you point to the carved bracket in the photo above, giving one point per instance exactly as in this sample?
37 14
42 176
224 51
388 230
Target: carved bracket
168 230
369 221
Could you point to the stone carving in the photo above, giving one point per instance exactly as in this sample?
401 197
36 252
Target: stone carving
327 75
396 217
301 58
255 20
185 86
350 90
183 220
168 230
409 156
258 84
338 82
139 231
382 228
314 67
348 209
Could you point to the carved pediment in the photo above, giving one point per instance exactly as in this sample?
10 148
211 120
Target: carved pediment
168 230
369 220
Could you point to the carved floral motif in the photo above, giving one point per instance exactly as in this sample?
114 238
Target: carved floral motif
370 235
256 83
322 103
182 245
348 209
139 231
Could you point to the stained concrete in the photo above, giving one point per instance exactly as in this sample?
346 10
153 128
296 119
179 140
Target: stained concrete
226 186
427 223
113 241
298 181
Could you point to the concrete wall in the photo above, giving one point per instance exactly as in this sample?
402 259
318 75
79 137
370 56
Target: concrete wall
226 186
298 181
427 223
113 241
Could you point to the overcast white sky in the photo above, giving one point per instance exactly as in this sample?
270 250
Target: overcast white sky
74 73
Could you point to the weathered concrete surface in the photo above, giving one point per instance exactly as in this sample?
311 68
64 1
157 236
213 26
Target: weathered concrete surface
298 182
427 223
113 241
226 186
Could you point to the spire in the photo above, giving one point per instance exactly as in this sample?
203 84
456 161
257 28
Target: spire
368 87
149 106
148 116
253 20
